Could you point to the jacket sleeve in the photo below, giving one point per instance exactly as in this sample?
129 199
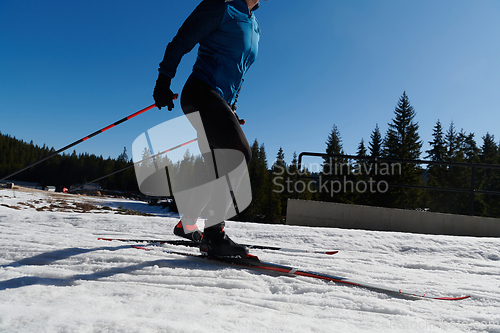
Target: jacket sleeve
203 20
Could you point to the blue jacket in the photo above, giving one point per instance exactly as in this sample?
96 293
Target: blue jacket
228 34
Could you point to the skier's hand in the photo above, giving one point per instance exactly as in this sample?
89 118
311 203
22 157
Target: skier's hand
162 94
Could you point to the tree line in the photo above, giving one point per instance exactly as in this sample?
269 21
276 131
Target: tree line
63 170
367 182
352 181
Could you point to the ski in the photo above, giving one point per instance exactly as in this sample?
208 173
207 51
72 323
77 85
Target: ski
254 263
188 243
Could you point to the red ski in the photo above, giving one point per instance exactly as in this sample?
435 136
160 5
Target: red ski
254 263
189 243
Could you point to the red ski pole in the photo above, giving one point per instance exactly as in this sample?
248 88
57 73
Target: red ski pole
84 139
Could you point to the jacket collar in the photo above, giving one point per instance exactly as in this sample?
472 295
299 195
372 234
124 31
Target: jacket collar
243 2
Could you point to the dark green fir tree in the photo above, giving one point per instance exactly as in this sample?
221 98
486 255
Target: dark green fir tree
334 168
375 145
489 179
436 174
402 141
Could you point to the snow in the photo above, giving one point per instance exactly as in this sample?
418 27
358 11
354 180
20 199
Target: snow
55 276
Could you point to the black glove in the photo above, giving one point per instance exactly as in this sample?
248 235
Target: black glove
162 94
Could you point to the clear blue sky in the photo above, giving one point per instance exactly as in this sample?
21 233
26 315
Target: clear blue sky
69 68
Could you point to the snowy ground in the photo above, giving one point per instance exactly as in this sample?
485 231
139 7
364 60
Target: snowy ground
55 276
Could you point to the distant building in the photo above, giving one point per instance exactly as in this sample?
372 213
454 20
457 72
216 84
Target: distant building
12 183
85 187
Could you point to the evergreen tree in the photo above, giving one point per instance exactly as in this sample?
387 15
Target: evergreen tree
375 144
361 175
271 209
402 141
279 177
437 173
438 145
489 149
292 175
265 203
361 149
469 154
334 168
470 149
361 164
375 147
123 157
306 188
456 176
489 179
334 142
279 165
452 143
280 158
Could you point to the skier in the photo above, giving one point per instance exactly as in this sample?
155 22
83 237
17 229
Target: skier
228 34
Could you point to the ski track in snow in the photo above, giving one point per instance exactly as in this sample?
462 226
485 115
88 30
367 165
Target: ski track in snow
55 276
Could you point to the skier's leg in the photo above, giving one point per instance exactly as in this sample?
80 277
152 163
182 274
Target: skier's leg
223 132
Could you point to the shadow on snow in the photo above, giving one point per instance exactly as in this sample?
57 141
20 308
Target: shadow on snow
50 257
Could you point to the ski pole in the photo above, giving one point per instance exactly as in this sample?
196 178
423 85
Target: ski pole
84 139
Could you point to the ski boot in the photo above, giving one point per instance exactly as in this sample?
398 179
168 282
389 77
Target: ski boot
188 229
216 243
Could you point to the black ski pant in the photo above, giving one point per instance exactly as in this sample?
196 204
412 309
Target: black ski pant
222 130
221 125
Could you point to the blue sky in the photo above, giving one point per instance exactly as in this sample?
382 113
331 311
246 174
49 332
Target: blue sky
69 68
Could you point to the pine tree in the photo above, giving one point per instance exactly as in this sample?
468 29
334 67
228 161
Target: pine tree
292 175
265 203
456 176
438 145
452 144
123 157
302 187
489 179
334 142
334 168
375 144
147 161
279 176
469 153
470 149
437 173
489 149
280 161
359 168
402 141
361 175
271 209
375 147
361 149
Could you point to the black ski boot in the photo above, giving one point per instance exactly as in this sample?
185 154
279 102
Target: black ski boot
192 232
216 243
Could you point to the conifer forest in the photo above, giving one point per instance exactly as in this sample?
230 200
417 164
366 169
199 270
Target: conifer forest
360 181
